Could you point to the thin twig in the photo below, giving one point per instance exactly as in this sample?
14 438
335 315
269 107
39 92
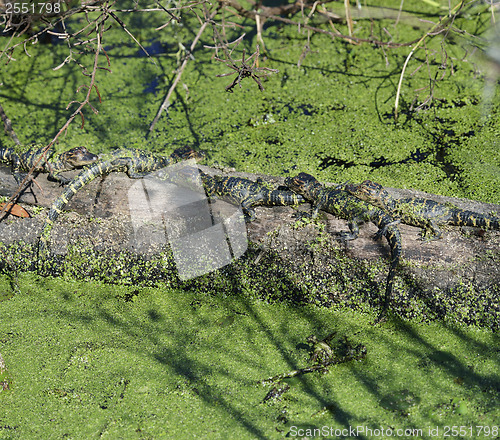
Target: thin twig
348 19
172 16
166 101
432 32
122 24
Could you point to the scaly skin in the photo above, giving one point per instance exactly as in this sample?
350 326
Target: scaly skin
343 205
22 162
236 190
423 213
136 163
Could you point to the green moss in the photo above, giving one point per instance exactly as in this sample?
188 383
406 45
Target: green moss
331 117
334 280
118 346
88 360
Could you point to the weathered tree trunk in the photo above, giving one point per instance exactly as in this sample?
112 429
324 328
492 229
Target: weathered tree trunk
459 273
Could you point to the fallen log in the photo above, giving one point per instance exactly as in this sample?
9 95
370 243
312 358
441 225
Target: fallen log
457 276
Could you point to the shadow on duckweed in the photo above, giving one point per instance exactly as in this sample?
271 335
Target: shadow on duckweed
200 349
169 363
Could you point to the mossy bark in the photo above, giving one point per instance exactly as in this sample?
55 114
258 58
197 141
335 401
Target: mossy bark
457 275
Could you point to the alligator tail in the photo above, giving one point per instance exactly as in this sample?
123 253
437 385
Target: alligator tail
470 218
85 177
390 230
393 237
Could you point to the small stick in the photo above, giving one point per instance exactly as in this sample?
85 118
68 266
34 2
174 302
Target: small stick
430 33
166 101
122 24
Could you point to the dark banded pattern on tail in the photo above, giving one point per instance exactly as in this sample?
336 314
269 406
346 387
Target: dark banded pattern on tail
236 190
461 217
283 198
82 179
423 213
248 193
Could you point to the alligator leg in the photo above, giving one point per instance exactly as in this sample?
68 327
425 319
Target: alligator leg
431 232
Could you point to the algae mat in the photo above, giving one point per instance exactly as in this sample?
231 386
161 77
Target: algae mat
89 360
332 116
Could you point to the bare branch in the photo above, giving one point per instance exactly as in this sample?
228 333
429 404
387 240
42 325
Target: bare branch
437 29
131 36
166 101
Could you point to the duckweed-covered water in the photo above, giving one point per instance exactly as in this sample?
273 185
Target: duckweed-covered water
98 360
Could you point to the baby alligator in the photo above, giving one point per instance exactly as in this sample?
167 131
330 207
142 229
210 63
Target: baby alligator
236 190
22 162
136 163
343 205
424 213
